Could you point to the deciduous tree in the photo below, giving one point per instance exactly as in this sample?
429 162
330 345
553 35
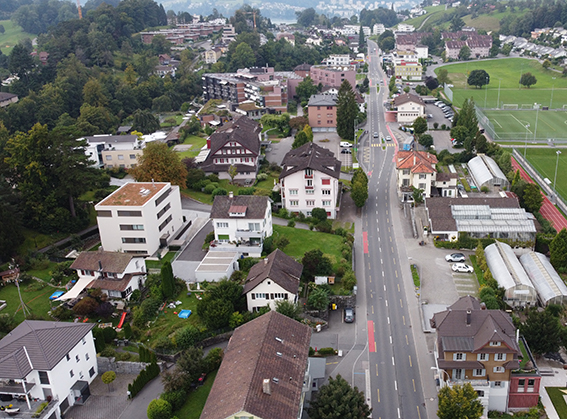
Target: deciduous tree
528 80
108 377
161 164
338 400
289 309
542 330
419 125
459 401
478 78
315 263
305 89
159 409
464 53
558 250
533 199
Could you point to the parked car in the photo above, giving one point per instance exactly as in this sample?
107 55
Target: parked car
345 151
375 135
462 268
345 144
455 257
349 315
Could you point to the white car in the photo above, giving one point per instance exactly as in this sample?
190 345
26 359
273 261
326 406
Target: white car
345 144
462 267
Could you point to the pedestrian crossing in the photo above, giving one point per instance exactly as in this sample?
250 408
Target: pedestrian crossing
383 145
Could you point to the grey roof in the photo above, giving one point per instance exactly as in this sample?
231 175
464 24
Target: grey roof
484 169
110 261
6 96
408 97
280 268
311 156
255 206
550 287
109 139
323 100
46 344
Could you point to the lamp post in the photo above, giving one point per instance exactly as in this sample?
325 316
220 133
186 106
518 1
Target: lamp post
558 152
498 101
551 100
536 118
526 145
486 92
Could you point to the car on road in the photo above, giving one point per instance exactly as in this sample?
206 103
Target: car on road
345 144
388 138
455 257
345 151
462 268
375 135
349 315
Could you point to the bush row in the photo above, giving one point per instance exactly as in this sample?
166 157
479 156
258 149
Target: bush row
145 376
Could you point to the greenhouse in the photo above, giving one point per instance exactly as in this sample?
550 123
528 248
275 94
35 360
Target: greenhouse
510 275
549 286
486 172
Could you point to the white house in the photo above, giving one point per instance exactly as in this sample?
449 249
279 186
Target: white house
273 279
421 51
140 217
113 151
409 107
404 27
116 274
415 169
310 179
337 59
241 223
47 361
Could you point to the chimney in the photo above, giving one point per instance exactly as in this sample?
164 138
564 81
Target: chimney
265 261
266 386
469 314
231 194
414 159
100 266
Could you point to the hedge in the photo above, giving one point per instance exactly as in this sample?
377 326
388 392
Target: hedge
145 376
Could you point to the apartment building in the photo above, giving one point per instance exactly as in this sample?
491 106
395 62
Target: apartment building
409 107
408 70
322 112
333 76
113 151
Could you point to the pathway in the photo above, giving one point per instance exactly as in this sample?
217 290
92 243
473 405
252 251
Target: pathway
548 210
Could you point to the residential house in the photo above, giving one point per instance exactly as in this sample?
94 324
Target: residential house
479 346
264 373
275 278
378 29
404 27
333 75
315 41
310 179
446 184
47 362
421 51
409 108
409 41
337 59
236 143
116 274
479 45
289 37
408 70
212 55
415 169
241 223
322 112
7 99
140 217
113 151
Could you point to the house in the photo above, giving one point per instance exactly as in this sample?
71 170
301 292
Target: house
322 112
236 143
415 169
333 75
446 184
289 37
116 274
498 218
479 346
310 179
409 108
7 99
409 41
404 27
140 217
264 373
212 55
215 266
241 223
113 151
337 59
408 70
275 278
47 362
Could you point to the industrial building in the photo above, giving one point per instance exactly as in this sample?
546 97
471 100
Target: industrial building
549 286
486 172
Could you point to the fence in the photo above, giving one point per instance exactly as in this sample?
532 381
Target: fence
448 92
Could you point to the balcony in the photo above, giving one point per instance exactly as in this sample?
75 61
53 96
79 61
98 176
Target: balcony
244 246
247 234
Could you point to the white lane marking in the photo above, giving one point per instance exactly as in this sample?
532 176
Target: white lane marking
390 340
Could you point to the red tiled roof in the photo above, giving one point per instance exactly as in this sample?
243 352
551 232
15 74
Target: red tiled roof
416 161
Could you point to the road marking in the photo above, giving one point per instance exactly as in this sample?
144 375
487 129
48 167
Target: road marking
409 356
378 238
372 309
390 339
391 242
401 304
376 370
392 248
388 319
413 381
381 261
332 363
399 411
368 265
371 341
396 277
376 210
418 414
386 303
384 284
388 220
398 284
365 241
407 341
371 295
378 390
394 260
386 212
388 229
396 385
404 319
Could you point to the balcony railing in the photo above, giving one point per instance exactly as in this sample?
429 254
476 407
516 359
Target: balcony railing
246 234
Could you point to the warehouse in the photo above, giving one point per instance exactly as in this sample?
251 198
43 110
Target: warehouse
486 172
549 286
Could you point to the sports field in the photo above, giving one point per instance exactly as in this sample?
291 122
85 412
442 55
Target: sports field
544 161
519 125
550 89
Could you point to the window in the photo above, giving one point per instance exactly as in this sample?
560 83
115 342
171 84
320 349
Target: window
325 181
326 192
459 356
132 157
498 369
479 372
254 226
309 183
405 182
293 203
293 191
531 385
422 176
91 372
129 213
308 172
163 211
309 192
43 377
222 225
500 357
87 357
71 373
77 358
108 157
421 186
521 385
494 343
406 172
131 226
162 197
133 240
326 203
458 374
310 203
165 223
121 157
497 384
224 237
68 357
482 357
104 213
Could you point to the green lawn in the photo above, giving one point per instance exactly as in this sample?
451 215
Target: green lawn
525 357
506 73
558 400
196 399
267 184
34 240
511 125
489 22
43 273
156 264
12 36
197 144
178 120
415 276
301 241
36 299
432 11
544 161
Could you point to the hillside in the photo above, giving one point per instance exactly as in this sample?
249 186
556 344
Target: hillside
12 35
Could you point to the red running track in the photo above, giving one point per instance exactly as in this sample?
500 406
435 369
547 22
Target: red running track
548 210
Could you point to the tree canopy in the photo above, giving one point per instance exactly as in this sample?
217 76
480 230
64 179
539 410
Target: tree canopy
478 78
542 330
528 80
558 250
347 110
159 163
459 401
339 400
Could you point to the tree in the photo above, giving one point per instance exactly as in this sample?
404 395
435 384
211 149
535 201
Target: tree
289 309
306 17
459 401
305 89
319 214
528 80
2 29
300 139
318 299
107 378
426 140
159 163
361 39
542 330
419 125
315 263
359 188
546 64
144 121
467 118
443 77
347 110
243 56
533 199
478 78
558 250
167 281
159 409
232 172
11 235
432 83
456 24
465 53
506 49
338 400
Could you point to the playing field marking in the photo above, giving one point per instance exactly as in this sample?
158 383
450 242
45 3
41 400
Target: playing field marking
520 122
495 121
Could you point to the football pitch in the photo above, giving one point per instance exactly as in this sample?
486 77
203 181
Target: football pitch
523 125
544 160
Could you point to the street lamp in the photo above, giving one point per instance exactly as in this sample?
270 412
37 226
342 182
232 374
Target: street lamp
536 119
486 91
498 101
526 145
558 152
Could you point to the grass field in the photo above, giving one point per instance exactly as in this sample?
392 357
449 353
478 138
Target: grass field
544 161
558 400
504 85
196 399
35 298
489 22
543 125
12 36
432 12
301 241
196 142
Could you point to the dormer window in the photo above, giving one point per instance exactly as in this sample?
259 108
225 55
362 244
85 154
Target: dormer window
494 343
237 211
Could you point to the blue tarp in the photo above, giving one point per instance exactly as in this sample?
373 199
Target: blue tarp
56 294
183 314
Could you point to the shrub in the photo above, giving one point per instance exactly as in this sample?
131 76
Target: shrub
262 176
188 336
291 223
145 376
86 306
213 359
219 191
109 334
324 226
62 313
283 213
159 409
246 191
213 178
163 344
311 351
348 281
326 351
98 335
209 188
108 352
341 232
175 398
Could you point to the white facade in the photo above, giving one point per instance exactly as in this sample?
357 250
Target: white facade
307 189
235 229
338 60
404 27
418 180
216 266
409 111
256 297
140 217
113 151
378 29
421 51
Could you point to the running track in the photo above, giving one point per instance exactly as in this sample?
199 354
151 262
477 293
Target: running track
548 210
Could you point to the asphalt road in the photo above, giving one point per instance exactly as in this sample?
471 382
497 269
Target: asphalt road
393 369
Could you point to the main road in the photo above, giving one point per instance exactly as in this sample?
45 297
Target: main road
395 381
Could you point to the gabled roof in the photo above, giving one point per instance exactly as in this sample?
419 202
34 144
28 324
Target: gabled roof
272 347
243 130
408 97
46 344
311 156
7 96
253 206
110 261
323 100
416 161
280 268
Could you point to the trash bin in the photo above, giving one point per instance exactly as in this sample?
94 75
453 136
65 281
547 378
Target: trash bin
334 306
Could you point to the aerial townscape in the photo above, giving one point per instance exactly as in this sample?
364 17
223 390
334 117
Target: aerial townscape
268 210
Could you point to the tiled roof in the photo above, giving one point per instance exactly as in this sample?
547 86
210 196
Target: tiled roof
110 261
311 156
6 96
446 177
46 344
255 206
280 268
302 67
323 100
111 284
272 347
408 97
416 161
